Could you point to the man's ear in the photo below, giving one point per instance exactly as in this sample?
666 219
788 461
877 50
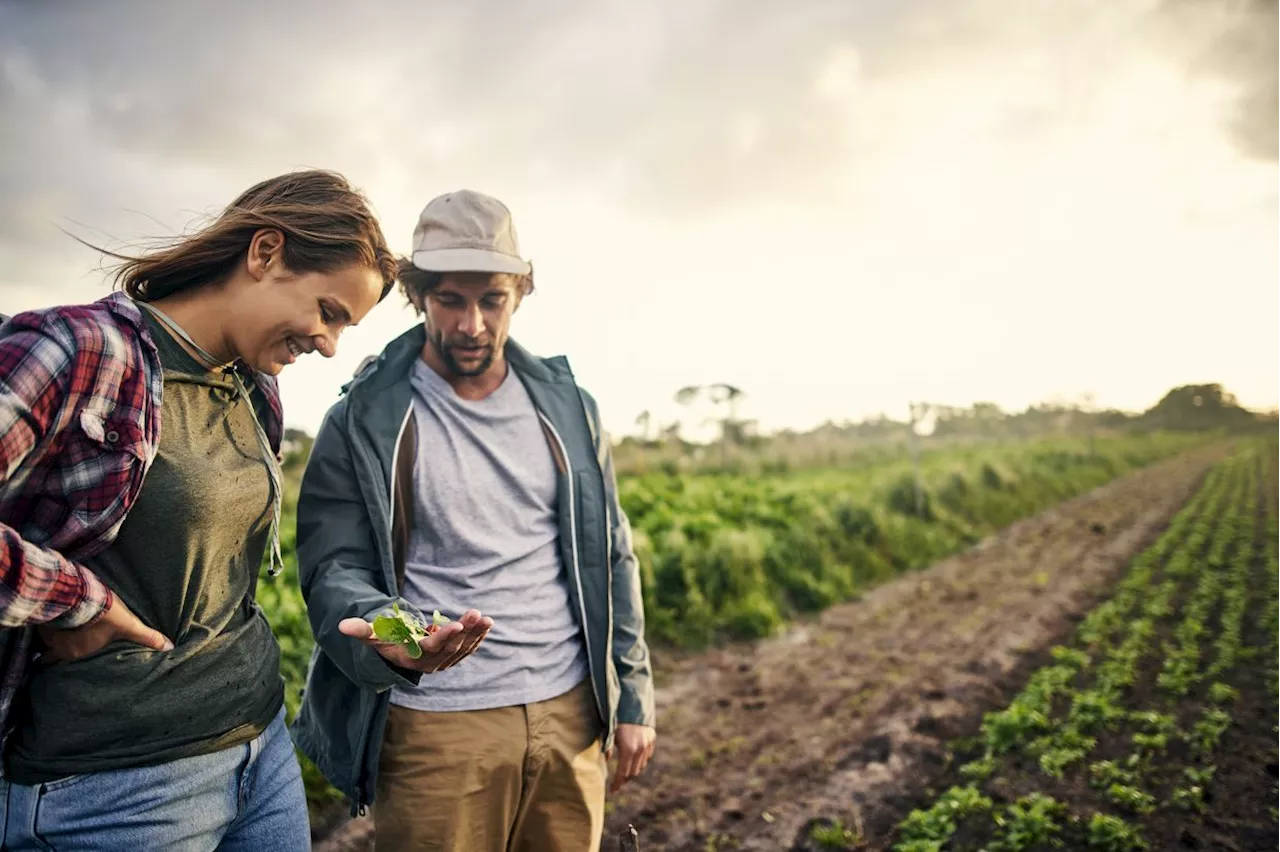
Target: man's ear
526 282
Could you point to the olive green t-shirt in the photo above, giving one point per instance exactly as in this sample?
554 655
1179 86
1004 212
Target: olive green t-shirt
186 561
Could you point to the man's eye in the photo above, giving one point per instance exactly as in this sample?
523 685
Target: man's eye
325 316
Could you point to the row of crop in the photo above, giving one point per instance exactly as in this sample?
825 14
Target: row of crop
1114 636
1057 720
1129 784
1270 621
737 557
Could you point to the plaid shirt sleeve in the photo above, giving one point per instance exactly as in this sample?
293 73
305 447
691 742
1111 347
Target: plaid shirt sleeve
38 585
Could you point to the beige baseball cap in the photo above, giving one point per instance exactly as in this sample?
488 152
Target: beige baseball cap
467 231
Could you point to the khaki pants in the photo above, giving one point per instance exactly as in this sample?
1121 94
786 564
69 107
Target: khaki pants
528 778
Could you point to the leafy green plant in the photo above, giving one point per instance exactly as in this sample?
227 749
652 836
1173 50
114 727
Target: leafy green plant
1032 821
1112 834
1209 729
1223 693
1105 773
404 628
1130 798
929 829
835 836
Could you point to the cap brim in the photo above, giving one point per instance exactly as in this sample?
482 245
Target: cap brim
469 260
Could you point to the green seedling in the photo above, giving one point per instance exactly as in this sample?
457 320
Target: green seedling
403 628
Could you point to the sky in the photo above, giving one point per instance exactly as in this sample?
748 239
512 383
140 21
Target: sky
837 207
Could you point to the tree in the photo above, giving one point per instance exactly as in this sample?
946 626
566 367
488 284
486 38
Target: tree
733 429
644 420
687 397
1197 407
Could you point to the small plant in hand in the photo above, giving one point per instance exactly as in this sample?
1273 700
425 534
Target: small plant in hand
404 628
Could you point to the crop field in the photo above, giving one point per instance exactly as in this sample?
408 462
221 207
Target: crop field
822 686
1155 727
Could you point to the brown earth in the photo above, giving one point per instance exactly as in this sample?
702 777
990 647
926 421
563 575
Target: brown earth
1239 801
848 716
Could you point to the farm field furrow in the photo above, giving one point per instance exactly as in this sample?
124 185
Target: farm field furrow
1121 742
848 717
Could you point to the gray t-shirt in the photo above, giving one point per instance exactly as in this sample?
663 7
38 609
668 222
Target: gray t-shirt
486 536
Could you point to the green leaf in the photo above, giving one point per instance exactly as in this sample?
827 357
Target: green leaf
400 628
387 628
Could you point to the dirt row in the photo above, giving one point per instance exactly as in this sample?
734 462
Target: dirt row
1239 799
847 717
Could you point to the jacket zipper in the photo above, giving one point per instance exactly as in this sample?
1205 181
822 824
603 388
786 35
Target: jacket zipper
362 791
395 467
573 550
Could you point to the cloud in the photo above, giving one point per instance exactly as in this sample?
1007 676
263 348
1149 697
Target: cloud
893 154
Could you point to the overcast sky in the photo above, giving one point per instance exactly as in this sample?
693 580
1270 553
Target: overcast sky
837 206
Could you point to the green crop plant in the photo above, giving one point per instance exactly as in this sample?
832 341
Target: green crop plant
1111 834
1032 822
1130 798
930 829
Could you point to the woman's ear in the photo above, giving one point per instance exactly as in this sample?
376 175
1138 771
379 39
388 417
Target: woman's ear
266 252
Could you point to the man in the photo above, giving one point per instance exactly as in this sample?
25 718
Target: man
459 473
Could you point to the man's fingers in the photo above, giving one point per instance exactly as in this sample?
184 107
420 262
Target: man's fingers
436 642
634 764
618 780
629 766
356 628
471 618
471 642
475 641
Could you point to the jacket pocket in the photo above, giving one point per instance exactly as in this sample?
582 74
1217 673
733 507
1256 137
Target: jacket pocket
112 434
101 465
592 530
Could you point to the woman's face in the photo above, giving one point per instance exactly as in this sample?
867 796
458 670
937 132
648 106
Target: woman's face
294 314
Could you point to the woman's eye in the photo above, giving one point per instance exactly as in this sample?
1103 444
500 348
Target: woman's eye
325 316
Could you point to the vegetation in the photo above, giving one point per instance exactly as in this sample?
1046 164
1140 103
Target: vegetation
729 556
1124 726
732 557
735 557
738 448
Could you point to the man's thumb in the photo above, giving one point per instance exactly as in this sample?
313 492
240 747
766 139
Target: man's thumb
356 628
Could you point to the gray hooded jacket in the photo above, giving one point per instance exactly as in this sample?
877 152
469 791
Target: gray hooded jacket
354 516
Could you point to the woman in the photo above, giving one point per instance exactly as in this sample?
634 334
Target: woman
139 441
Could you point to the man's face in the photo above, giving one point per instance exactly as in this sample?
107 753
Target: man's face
468 319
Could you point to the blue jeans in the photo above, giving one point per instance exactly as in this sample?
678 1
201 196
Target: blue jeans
248 798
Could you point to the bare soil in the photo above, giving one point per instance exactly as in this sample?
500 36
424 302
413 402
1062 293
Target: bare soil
848 717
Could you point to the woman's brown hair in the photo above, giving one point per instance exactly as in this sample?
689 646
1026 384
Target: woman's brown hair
327 225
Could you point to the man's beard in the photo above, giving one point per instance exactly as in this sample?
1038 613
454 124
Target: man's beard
473 368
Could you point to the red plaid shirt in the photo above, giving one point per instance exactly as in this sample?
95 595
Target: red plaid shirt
80 396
